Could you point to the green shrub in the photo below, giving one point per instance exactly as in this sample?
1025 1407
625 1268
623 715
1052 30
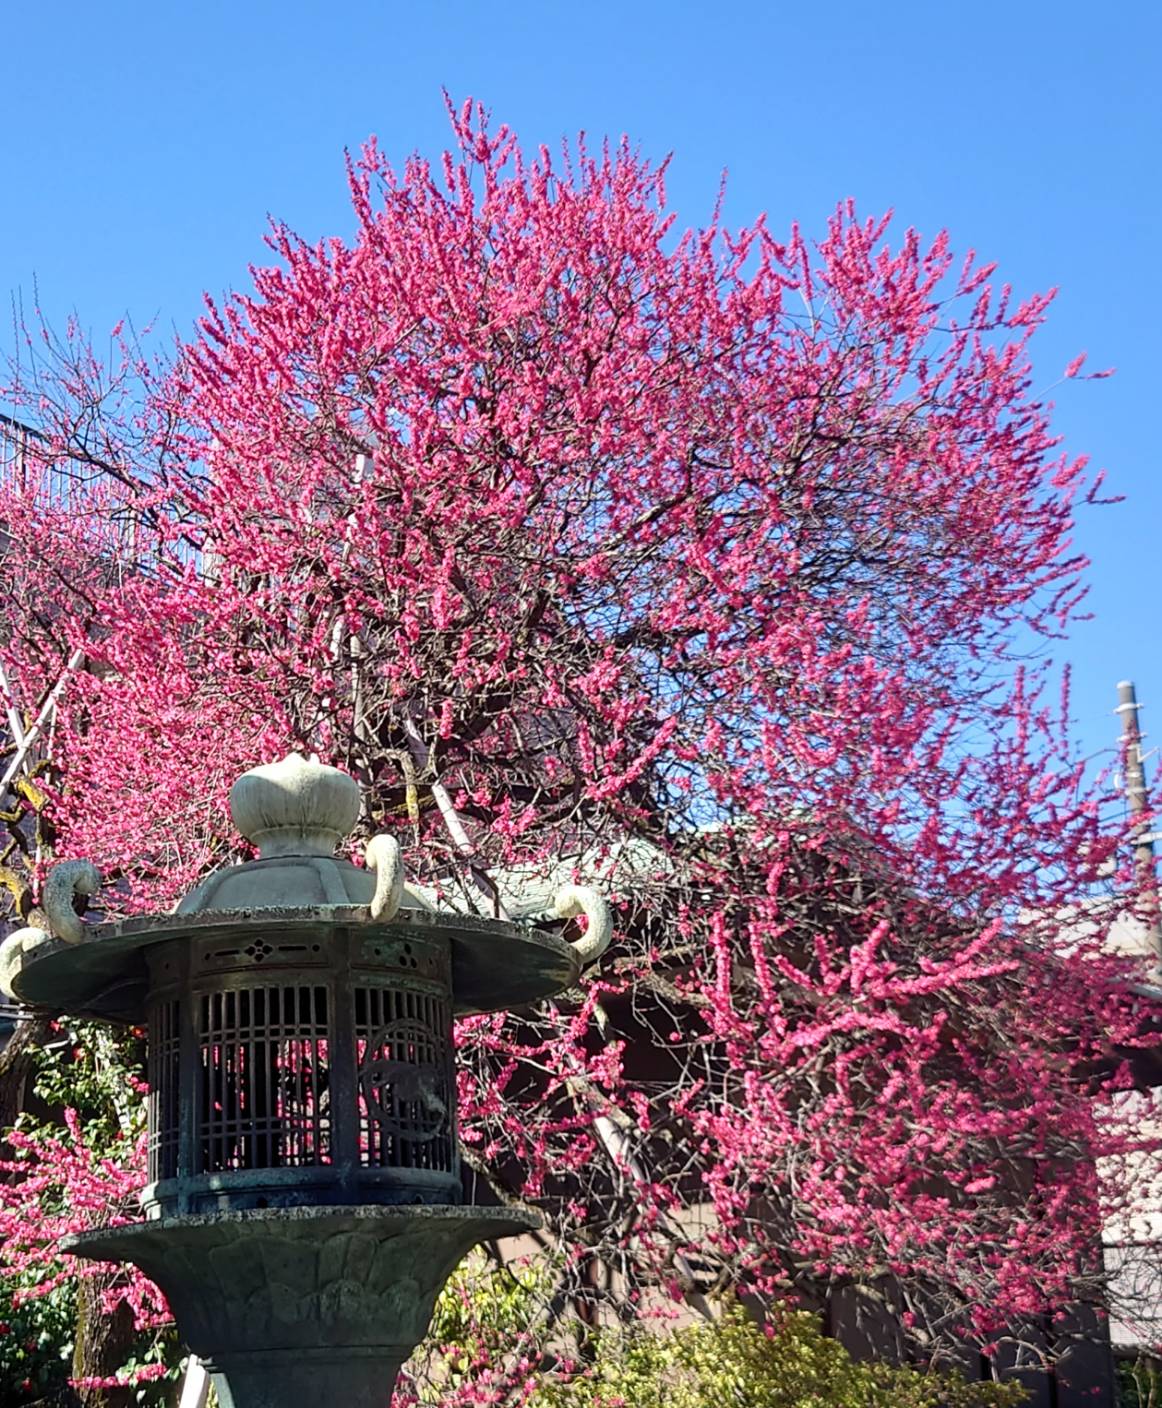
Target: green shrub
36 1342
92 1071
734 1362
485 1319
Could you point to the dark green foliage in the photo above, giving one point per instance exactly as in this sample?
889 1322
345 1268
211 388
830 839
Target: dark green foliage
1139 1384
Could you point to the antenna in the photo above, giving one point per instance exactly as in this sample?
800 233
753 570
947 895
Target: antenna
1138 802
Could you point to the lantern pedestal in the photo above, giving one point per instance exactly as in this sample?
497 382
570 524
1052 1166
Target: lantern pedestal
303 1305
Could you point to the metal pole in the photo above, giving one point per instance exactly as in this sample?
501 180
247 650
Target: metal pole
1138 801
46 711
15 724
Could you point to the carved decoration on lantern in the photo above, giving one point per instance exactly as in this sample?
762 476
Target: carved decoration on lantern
405 1098
383 857
572 900
65 882
13 952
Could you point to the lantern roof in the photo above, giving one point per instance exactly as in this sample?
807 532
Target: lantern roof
296 813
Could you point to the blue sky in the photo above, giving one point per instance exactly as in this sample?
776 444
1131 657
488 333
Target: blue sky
144 145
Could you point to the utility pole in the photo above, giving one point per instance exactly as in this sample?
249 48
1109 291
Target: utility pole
1138 802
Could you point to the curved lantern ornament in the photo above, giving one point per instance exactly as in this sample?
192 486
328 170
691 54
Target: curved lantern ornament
405 1096
298 1012
574 900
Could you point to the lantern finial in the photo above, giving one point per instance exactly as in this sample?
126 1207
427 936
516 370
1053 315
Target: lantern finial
297 807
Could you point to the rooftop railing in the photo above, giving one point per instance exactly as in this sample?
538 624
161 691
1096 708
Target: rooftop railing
32 466
28 463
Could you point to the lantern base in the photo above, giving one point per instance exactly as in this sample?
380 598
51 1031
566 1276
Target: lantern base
303 1304
306 1377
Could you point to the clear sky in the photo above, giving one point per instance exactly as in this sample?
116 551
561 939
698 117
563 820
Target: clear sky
144 144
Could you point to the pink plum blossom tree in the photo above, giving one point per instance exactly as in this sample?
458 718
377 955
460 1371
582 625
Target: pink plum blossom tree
704 566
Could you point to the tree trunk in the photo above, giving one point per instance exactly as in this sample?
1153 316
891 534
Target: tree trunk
104 1343
16 1063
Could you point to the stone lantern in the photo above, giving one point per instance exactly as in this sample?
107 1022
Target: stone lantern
303 1205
